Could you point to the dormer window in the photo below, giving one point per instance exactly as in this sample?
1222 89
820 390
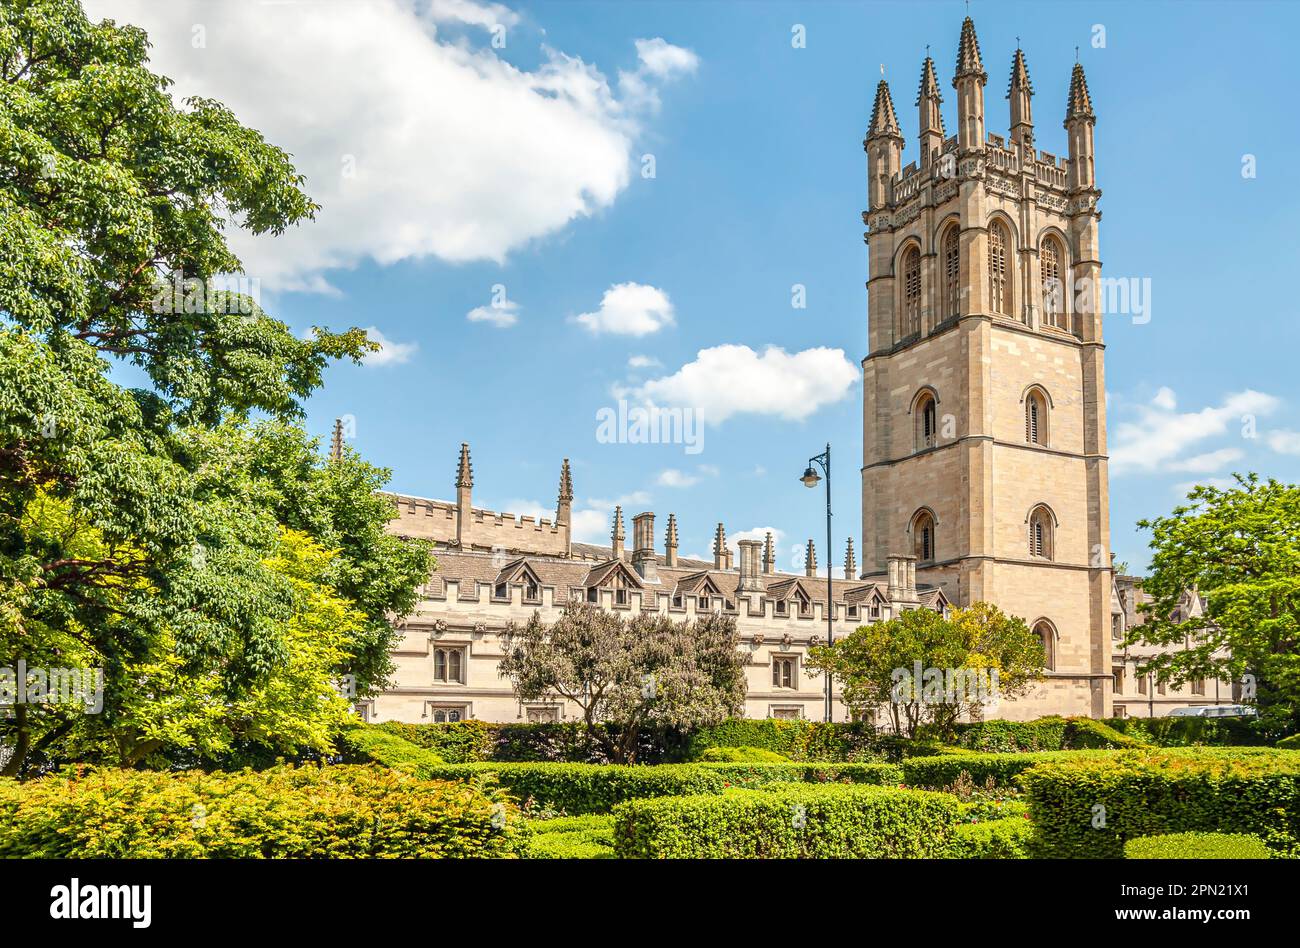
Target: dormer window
532 593
620 596
703 603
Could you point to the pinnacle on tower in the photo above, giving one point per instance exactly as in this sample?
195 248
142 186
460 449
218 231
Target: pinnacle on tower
670 542
929 99
850 562
1079 105
720 548
884 120
616 534
1020 90
336 441
464 470
968 54
566 483
810 560
769 554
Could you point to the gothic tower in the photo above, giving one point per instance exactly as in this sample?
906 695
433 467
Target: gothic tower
984 430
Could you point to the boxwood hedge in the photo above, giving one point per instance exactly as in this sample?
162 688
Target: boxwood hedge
1197 846
1009 838
944 769
333 811
1088 806
798 821
757 775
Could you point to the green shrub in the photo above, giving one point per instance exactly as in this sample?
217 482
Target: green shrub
1044 734
468 742
1087 734
812 822
373 745
946 769
793 740
584 788
1089 806
285 812
459 743
1007 838
759 775
1289 743
740 755
1186 732
1197 846
572 837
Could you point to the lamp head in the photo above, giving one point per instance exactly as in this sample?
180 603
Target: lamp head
810 477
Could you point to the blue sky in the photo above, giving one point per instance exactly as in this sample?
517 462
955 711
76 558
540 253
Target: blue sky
448 164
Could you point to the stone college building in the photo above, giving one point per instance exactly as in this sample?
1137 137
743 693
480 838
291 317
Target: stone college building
984 471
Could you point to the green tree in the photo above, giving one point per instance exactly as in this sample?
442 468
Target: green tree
1239 548
143 528
927 668
646 672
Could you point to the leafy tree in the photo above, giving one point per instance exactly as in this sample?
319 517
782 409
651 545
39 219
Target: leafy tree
143 531
1239 548
930 669
647 672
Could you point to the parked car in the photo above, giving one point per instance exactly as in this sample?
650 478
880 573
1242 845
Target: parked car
1215 711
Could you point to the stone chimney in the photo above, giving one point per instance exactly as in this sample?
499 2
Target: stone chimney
643 547
902 578
769 554
616 535
750 567
810 560
464 490
670 542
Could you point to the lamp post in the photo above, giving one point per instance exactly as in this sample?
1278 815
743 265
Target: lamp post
810 479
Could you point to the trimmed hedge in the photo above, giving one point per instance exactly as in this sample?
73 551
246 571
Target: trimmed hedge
467 742
572 837
577 789
1044 734
760 775
1187 732
284 812
371 745
793 740
740 755
802 822
1090 806
943 770
1009 838
1197 846
1289 743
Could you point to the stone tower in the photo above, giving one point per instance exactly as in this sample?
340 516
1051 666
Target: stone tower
984 432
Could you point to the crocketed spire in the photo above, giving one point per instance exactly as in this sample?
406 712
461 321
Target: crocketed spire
1019 75
336 441
769 554
1079 105
850 562
884 120
929 99
464 470
566 483
968 54
810 560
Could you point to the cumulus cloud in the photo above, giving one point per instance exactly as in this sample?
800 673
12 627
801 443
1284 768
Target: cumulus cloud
593 522
629 309
502 315
672 477
643 362
414 144
730 380
390 353
1284 442
1158 438
658 61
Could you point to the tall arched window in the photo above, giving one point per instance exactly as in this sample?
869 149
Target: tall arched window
923 536
1035 417
912 291
1040 533
1049 261
999 285
927 432
1047 635
952 273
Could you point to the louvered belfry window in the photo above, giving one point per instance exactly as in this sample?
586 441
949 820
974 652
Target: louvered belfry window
912 292
1053 290
999 289
952 273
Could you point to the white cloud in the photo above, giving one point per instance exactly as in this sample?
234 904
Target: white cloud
663 59
390 353
1161 433
756 533
594 522
502 316
630 309
1186 487
730 380
643 362
1284 442
414 144
671 477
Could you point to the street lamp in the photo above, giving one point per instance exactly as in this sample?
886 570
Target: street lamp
811 479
